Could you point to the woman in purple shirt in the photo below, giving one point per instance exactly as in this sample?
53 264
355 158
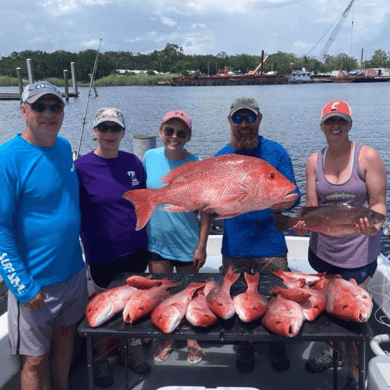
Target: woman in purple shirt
349 173
111 244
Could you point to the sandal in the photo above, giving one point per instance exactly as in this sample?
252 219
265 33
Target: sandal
193 354
169 350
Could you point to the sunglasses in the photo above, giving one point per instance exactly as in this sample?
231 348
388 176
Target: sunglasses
106 128
169 131
41 107
237 119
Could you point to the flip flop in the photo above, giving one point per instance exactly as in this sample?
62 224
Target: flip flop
195 361
170 349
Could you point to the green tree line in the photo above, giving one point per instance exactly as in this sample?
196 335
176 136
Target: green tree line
172 59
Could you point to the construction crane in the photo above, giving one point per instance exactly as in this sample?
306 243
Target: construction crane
335 32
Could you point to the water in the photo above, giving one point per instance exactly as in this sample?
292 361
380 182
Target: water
290 116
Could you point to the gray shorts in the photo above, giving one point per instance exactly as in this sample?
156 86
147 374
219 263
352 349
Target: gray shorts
30 331
266 265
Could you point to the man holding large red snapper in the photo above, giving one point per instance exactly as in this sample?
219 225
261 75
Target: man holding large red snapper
250 241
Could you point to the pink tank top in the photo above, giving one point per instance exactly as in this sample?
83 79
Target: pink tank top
354 250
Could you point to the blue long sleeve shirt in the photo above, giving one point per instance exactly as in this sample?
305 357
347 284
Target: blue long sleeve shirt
39 216
253 234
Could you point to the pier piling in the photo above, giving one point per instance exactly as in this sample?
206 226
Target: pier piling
30 71
66 85
142 143
74 80
20 81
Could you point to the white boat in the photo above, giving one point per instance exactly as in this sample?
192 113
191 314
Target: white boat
218 369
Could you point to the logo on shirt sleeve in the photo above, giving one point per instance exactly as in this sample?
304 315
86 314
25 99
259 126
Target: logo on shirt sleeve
134 180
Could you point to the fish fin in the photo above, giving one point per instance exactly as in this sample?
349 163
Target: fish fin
224 202
143 205
283 222
179 173
304 210
175 209
226 216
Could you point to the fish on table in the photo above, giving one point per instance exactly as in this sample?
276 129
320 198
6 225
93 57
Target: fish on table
198 312
338 219
345 298
250 305
294 279
106 304
143 302
218 298
228 185
283 317
296 294
315 305
168 314
143 282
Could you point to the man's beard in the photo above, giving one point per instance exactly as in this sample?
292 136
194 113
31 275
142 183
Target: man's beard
244 143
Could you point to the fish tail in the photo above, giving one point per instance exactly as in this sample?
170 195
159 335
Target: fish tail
283 222
231 276
252 280
143 203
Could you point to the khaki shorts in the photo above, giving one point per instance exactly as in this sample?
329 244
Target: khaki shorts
266 265
30 331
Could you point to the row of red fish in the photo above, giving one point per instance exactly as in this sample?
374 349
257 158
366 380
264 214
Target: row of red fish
304 297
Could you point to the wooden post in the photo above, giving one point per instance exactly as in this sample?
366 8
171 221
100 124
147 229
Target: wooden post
30 71
20 81
142 143
74 80
94 88
66 85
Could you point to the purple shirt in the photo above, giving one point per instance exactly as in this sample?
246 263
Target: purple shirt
107 220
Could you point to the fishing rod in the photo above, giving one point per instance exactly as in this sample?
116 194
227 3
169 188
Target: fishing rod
76 153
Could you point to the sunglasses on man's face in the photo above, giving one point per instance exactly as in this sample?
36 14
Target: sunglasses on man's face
106 128
237 119
41 107
169 131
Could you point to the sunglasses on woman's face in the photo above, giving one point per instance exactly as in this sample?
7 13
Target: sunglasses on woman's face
106 128
41 107
169 131
237 119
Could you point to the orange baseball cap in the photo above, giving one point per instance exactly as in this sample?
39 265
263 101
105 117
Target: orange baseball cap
336 108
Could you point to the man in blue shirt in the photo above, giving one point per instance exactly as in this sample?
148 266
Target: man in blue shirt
250 241
40 254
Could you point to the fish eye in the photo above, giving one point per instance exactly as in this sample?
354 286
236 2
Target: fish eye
272 175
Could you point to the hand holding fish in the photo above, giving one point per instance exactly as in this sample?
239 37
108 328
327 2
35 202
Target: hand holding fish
364 228
300 228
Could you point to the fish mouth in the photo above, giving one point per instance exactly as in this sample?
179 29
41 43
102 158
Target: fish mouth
290 196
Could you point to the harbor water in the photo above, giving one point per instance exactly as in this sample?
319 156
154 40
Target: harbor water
291 116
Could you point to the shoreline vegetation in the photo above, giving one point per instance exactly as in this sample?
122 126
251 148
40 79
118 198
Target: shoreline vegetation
114 80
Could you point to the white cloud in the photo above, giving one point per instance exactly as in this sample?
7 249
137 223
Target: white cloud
168 21
92 43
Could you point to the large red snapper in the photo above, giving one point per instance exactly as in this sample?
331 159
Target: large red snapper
345 299
143 302
198 312
219 299
105 305
338 219
228 185
250 305
169 313
283 317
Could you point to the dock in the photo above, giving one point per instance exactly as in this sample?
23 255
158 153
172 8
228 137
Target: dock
16 95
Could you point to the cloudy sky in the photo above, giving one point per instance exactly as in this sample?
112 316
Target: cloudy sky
199 26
